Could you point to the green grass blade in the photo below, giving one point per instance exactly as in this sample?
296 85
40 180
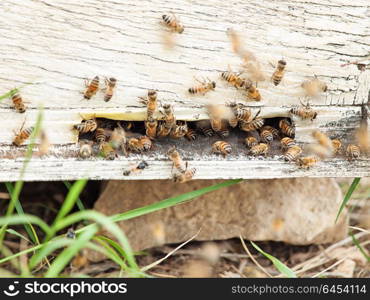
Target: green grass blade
79 203
112 243
16 233
277 263
107 245
348 195
25 219
9 94
357 243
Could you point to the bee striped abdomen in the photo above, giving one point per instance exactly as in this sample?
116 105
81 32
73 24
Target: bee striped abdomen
266 136
286 128
259 149
221 147
191 134
251 141
22 136
287 142
92 88
353 151
292 153
18 103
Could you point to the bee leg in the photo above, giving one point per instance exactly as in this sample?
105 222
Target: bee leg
87 82
272 64
143 100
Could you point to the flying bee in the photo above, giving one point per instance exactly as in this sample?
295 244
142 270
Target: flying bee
185 176
254 124
353 151
252 92
221 147
337 146
151 103
22 135
110 84
278 74
251 141
107 151
304 112
314 86
44 144
259 149
286 128
176 159
292 153
91 87
118 139
191 134
307 161
85 150
18 103
286 143
179 130
323 140
137 168
233 78
204 126
173 23
205 86
151 127
86 126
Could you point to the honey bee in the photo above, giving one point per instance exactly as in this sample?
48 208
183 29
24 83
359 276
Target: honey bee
22 135
241 113
146 143
286 143
252 92
165 128
286 128
205 86
259 149
151 127
278 74
191 134
221 147
233 78
151 103
268 133
140 144
110 84
85 149
176 159
18 103
251 141
304 112
118 139
179 130
314 86
173 23
86 126
107 151
101 136
307 161
323 140
292 153
337 146
205 127
353 151
224 130
255 124
185 176
218 124
139 167
91 87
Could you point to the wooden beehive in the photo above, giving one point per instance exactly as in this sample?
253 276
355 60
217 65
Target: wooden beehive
56 44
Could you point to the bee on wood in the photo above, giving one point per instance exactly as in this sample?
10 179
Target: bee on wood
254 124
337 146
286 128
185 176
85 150
259 149
205 86
176 159
22 135
86 126
323 140
107 151
307 161
140 144
218 124
110 84
278 74
138 168
221 147
251 141
151 103
292 153
353 151
233 78
165 128
268 133
314 86
241 113
252 92
179 130
146 143
287 142
204 127
191 134
151 127
304 112
91 87
224 130
173 23
118 139
101 136
18 103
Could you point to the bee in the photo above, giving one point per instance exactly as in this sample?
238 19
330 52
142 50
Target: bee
304 112
85 149
292 153
107 151
165 128
286 143
185 176
18 103
173 23
255 124
251 141
224 130
101 136
221 147
91 87
205 86
268 133
191 134
307 161
151 127
139 167
286 128
353 151
314 86
217 123
252 92
233 78
278 74
110 84
176 159
86 126
22 135
323 140
205 127
71 234
151 103
241 113
179 130
146 143
337 146
118 139
259 149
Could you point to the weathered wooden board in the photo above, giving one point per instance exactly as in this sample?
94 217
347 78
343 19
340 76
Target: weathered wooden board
56 44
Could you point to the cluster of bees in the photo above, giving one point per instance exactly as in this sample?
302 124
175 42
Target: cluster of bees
113 139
